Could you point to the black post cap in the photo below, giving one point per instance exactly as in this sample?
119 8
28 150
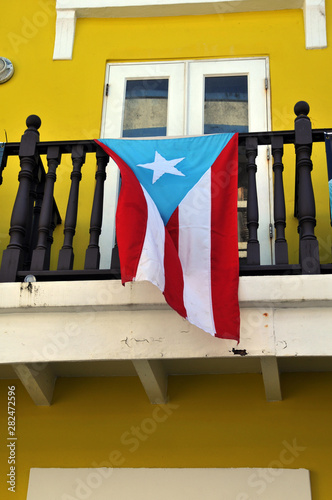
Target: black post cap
33 121
301 108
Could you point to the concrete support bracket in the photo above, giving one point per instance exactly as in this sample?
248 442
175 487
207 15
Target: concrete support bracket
270 372
153 378
38 382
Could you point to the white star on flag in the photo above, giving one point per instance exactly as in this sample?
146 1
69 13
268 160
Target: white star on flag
161 166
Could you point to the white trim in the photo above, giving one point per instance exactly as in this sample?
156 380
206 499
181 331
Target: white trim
68 10
64 34
114 481
315 24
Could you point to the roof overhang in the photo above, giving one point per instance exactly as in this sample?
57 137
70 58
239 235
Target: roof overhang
69 10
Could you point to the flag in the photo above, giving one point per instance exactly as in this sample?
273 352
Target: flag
328 148
176 223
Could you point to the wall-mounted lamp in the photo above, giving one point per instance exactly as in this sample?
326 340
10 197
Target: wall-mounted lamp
6 69
30 278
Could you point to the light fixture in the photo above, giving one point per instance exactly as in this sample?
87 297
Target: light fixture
6 69
30 278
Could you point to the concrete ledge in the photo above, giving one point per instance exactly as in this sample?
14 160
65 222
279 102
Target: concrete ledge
95 321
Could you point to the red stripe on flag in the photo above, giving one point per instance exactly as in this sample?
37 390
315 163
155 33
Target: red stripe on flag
173 228
173 270
131 218
224 242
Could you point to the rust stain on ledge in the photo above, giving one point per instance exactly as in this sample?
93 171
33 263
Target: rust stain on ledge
30 287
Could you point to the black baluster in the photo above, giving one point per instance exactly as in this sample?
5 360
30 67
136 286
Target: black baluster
281 249
13 256
3 160
253 253
66 254
92 256
115 260
36 200
306 211
55 220
40 256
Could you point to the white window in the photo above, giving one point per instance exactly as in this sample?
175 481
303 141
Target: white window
189 98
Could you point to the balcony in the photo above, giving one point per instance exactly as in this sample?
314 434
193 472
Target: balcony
62 320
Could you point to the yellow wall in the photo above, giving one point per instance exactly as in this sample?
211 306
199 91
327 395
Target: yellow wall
221 421
213 421
68 95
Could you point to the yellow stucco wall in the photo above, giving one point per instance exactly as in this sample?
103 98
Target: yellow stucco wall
68 95
221 421
211 421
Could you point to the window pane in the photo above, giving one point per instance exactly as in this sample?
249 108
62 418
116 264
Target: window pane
226 110
243 233
145 113
226 104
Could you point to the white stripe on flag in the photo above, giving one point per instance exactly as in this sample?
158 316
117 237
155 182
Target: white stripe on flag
151 263
195 253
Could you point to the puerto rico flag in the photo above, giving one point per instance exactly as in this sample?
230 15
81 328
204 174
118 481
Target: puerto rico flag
176 224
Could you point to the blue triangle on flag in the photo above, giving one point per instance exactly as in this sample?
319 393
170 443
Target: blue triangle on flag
195 156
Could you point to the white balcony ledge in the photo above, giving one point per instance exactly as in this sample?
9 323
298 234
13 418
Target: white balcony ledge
65 325
69 10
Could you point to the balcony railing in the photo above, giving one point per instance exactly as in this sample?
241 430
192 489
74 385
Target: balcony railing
35 213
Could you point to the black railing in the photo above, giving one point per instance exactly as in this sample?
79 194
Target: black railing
35 214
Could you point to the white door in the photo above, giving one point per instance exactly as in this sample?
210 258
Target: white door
188 98
143 100
230 95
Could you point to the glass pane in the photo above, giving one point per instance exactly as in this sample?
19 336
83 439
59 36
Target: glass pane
226 110
243 233
145 112
226 104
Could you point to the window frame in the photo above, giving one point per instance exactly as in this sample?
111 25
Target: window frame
256 68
